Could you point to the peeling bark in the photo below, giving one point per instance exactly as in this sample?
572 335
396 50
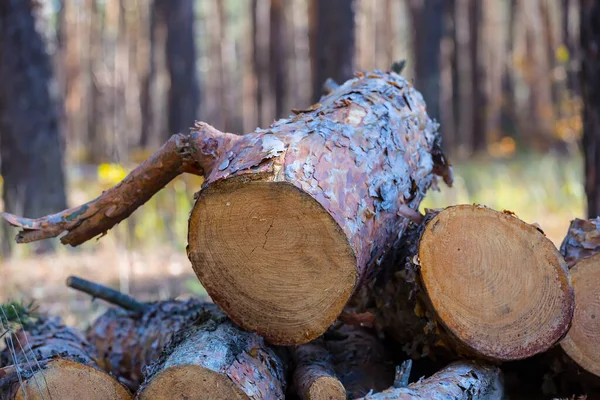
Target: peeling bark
327 187
128 342
582 240
458 381
214 359
53 361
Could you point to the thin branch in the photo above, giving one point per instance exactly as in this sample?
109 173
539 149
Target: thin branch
105 293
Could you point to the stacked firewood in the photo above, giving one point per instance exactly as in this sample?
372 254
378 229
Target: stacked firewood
327 281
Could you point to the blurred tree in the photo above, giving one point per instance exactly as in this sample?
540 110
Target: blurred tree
428 20
277 55
478 131
590 86
30 144
184 91
331 42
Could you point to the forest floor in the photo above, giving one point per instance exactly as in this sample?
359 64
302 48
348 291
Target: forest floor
145 256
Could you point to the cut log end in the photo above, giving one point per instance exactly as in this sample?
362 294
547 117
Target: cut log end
64 379
581 342
496 283
272 257
326 388
182 381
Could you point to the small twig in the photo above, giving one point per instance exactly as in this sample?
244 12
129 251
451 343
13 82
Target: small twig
105 293
402 374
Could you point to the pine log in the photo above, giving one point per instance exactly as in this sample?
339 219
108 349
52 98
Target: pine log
360 360
458 381
314 375
51 361
214 359
473 281
129 341
293 218
581 247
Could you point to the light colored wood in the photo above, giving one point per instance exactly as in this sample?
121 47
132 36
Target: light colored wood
326 388
272 257
183 382
583 339
64 379
496 284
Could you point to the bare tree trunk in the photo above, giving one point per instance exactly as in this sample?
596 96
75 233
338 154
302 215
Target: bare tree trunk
260 36
478 131
590 85
31 148
508 116
95 143
180 52
148 77
278 55
331 42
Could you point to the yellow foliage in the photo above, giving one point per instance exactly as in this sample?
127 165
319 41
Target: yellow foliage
111 173
562 54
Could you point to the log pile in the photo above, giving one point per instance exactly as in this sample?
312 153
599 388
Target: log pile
327 281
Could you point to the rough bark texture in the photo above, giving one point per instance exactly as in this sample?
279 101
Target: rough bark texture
128 342
590 87
360 360
52 361
458 381
314 376
348 170
404 296
30 152
214 359
582 240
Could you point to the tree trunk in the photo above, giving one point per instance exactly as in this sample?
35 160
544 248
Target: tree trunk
478 129
31 149
180 54
458 381
147 80
331 42
56 362
428 19
129 341
581 249
360 360
278 46
216 360
321 195
590 87
470 293
314 376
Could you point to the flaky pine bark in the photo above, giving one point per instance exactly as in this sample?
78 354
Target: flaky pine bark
51 361
459 287
458 381
293 218
582 240
129 341
214 359
314 376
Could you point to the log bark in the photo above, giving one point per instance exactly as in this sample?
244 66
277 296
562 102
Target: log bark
216 360
293 218
458 381
51 361
581 249
472 281
314 376
129 341
361 361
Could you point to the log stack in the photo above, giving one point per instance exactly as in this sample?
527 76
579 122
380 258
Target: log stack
324 274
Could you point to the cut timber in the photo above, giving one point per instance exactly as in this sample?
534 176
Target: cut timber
53 362
314 377
360 360
582 247
213 359
458 381
293 218
488 286
128 341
